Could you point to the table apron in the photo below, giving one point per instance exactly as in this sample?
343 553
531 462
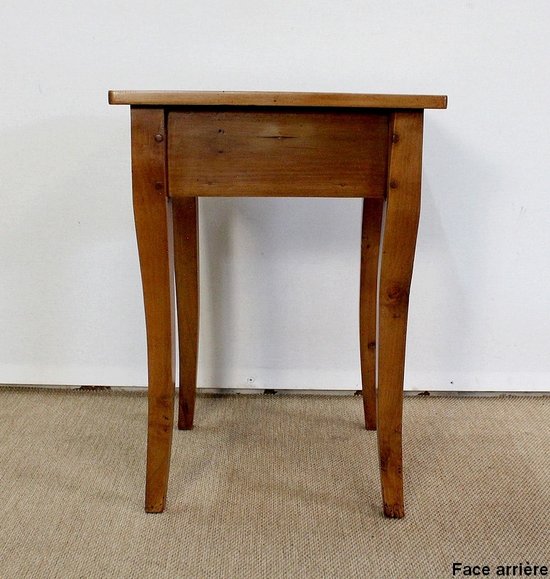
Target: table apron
277 153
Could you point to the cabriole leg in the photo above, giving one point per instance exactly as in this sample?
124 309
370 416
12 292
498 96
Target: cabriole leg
398 246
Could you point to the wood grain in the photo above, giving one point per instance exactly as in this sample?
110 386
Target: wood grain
398 246
186 255
274 153
368 300
276 99
153 228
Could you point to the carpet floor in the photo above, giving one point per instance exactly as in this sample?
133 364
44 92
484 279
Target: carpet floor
269 487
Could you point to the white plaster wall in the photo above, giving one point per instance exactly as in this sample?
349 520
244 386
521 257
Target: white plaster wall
279 277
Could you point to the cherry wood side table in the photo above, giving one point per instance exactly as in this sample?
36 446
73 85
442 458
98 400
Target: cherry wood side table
191 144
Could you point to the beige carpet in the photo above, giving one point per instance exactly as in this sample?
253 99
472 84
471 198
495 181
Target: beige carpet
269 486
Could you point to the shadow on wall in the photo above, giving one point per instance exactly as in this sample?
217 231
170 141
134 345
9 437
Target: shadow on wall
280 280
280 277
451 261
70 298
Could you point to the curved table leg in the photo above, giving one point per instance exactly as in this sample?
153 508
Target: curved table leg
398 246
153 229
368 298
186 256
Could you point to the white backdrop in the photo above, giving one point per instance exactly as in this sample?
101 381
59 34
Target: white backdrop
279 277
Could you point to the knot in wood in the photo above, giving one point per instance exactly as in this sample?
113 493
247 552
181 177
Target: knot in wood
396 294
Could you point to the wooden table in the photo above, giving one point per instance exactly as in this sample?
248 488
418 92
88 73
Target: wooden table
187 145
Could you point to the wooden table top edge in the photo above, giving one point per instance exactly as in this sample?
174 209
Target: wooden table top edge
275 99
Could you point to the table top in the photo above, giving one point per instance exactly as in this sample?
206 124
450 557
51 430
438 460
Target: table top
276 99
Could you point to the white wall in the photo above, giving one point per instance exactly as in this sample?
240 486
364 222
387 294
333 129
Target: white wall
279 277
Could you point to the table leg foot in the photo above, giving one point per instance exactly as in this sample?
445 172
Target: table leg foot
395 511
158 508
